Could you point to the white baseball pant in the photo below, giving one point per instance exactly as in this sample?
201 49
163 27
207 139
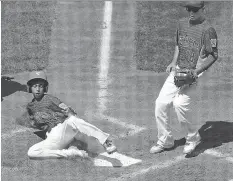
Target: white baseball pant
184 101
62 135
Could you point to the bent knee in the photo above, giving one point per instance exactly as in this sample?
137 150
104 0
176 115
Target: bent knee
71 120
31 153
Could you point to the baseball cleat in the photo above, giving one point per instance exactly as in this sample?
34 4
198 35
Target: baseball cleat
109 146
158 149
190 147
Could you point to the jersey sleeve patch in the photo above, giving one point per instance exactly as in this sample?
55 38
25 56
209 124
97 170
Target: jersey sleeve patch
213 43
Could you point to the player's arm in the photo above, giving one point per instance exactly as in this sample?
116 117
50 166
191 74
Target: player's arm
172 65
176 53
57 102
175 56
67 109
209 50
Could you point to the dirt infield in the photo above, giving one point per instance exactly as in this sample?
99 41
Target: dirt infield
119 99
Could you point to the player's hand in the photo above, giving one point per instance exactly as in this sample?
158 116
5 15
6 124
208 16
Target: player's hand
63 106
69 112
170 67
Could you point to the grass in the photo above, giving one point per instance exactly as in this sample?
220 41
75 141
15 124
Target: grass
26 33
129 97
155 33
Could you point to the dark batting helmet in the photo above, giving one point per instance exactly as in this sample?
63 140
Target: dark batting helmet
37 75
194 4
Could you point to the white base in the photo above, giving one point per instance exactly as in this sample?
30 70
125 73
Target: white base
115 160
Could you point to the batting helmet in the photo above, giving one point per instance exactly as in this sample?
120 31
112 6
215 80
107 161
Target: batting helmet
37 75
194 4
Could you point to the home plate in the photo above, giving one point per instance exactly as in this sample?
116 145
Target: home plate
115 160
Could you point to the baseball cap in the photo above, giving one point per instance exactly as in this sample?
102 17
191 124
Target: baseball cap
194 4
37 75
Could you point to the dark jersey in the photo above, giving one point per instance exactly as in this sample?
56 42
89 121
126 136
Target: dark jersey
46 112
194 41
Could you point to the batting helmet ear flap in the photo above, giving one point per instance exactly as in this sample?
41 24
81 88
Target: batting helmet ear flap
46 88
29 89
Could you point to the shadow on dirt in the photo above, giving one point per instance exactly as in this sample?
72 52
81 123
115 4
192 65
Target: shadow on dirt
9 87
213 134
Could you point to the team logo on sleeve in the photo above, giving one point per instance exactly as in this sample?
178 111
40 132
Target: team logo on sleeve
213 42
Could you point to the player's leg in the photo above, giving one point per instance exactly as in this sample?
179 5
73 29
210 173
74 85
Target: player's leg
44 150
63 134
90 130
186 108
185 104
162 106
54 146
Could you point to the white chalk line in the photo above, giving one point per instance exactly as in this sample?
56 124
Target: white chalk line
159 165
134 129
105 43
217 154
14 132
103 79
169 163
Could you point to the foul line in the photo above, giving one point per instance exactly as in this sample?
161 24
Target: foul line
215 153
103 78
169 163
134 129
105 44
14 132
159 165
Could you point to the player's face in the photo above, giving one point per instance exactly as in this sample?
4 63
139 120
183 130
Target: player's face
38 87
194 13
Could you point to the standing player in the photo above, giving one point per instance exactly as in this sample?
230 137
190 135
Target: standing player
195 51
60 123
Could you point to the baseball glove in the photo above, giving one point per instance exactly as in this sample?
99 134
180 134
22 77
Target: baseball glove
185 77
